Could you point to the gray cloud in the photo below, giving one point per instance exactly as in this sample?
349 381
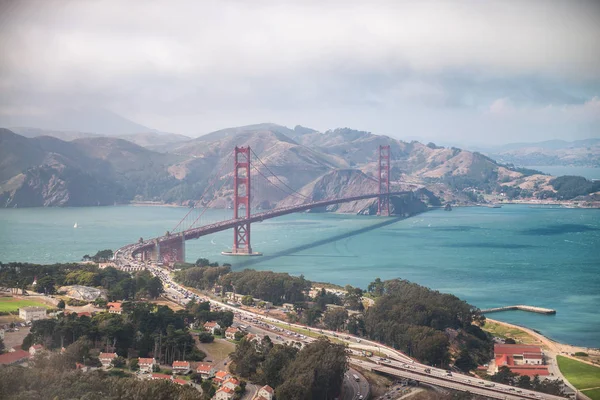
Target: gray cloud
432 69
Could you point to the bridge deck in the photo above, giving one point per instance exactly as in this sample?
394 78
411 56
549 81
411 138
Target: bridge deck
195 233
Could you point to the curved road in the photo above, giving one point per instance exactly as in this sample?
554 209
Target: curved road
395 362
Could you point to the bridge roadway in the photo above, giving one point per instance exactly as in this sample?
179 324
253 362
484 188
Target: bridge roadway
195 233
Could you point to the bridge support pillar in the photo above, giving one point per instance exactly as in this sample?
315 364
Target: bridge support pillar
383 201
241 202
172 250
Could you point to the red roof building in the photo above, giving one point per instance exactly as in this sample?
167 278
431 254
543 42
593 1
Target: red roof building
114 307
521 359
17 356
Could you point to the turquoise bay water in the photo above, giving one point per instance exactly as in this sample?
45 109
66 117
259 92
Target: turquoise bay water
559 170
489 257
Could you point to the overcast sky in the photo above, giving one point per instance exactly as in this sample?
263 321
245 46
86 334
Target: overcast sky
463 72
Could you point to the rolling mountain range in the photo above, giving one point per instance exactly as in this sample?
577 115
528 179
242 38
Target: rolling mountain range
98 170
585 153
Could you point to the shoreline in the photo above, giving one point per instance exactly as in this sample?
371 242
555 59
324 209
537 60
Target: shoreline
551 344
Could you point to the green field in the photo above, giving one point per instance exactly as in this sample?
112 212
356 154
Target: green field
582 376
593 394
10 304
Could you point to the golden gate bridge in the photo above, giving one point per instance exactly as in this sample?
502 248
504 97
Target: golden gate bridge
250 177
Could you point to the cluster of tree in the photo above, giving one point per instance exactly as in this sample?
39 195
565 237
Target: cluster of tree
142 330
550 386
277 288
315 372
120 285
201 313
55 377
203 278
100 256
415 319
568 187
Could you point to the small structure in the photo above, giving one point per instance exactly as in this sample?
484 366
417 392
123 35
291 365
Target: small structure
211 326
32 313
181 367
521 359
230 333
35 349
181 381
156 376
224 393
114 307
265 392
106 358
221 376
146 364
288 306
206 371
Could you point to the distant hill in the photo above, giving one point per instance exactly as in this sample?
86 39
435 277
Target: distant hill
93 169
83 119
151 140
553 152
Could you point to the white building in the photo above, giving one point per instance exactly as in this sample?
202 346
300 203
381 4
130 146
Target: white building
32 313
206 371
265 392
181 367
106 358
146 364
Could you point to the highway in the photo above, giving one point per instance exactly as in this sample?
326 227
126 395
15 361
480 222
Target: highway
394 363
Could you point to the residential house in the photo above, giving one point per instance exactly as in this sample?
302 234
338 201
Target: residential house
32 313
35 349
146 364
231 383
181 367
221 376
211 326
230 333
224 393
114 307
266 392
206 371
521 359
106 358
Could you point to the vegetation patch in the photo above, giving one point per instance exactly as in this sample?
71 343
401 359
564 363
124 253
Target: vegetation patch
581 375
593 394
11 304
504 332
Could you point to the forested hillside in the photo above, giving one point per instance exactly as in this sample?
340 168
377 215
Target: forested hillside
95 170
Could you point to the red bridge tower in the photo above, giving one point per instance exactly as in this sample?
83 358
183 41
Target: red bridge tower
241 200
383 201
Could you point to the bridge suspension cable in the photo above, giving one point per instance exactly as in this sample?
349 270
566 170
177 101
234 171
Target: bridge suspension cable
206 190
276 177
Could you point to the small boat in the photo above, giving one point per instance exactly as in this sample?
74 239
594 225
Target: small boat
75 226
494 206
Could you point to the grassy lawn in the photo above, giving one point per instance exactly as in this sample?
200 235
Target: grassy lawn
581 375
593 394
218 350
504 332
11 304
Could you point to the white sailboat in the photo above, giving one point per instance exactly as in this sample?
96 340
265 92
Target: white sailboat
75 226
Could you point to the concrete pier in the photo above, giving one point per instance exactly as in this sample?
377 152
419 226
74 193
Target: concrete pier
538 310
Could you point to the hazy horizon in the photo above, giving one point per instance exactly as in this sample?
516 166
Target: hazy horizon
470 73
